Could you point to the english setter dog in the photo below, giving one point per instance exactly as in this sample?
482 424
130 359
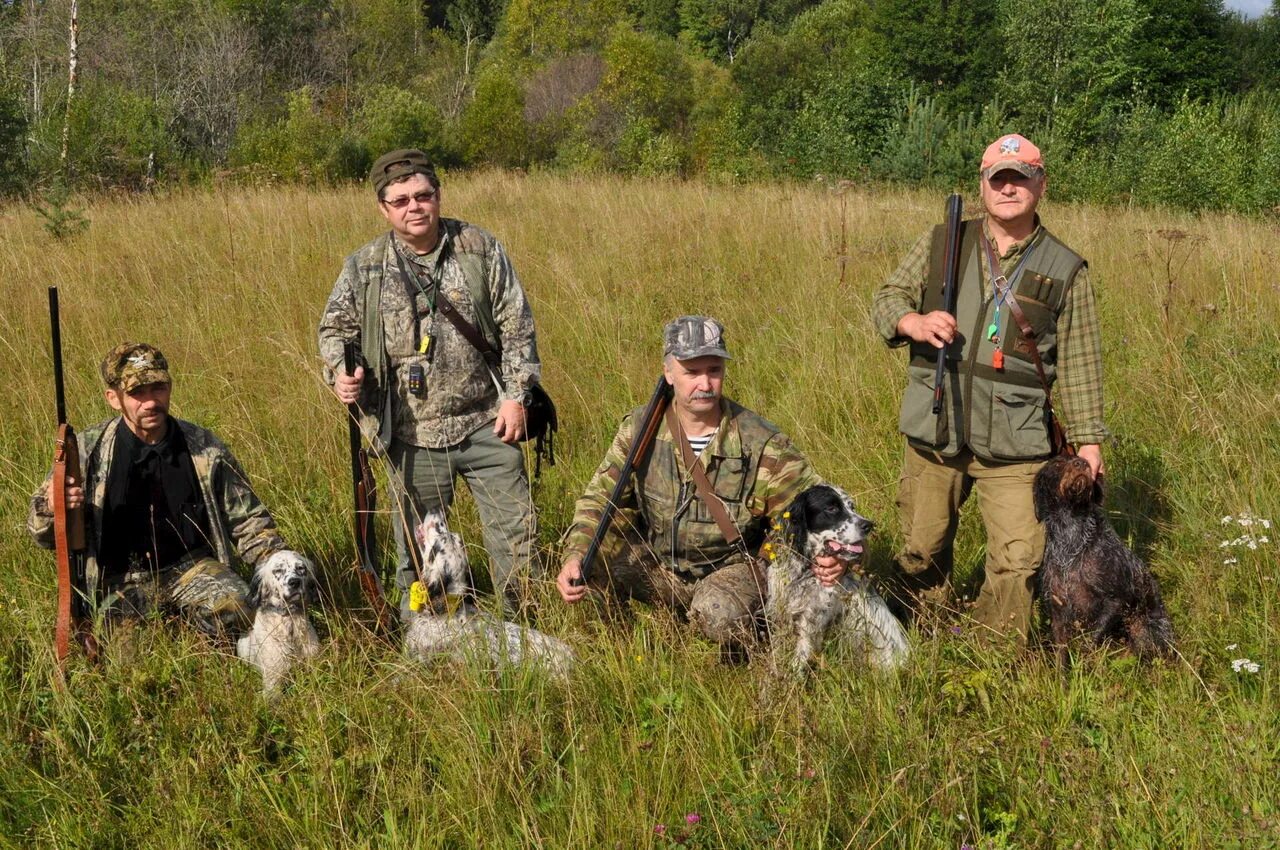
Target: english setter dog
283 585
1090 581
822 520
450 625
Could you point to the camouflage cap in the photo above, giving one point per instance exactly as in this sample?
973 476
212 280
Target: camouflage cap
397 164
134 364
694 336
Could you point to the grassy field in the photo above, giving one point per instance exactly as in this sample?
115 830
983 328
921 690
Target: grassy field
169 745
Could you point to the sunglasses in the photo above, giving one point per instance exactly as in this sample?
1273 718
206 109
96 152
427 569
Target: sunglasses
403 201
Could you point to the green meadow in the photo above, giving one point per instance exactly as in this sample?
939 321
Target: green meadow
169 744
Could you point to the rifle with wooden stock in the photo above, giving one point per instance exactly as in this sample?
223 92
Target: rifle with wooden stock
364 491
651 420
950 283
74 616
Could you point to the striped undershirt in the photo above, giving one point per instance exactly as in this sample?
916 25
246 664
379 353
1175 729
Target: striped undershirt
700 443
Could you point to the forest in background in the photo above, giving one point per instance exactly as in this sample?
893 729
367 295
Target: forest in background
1161 102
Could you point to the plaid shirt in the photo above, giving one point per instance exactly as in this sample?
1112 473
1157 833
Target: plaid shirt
1079 380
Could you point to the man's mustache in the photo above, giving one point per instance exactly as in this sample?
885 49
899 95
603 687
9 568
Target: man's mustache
699 395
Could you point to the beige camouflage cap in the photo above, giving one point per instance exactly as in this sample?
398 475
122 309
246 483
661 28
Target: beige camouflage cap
394 165
694 336
134 364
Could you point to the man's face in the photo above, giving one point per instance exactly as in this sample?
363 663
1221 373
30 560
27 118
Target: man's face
697 382
412 208
145 409
1010 196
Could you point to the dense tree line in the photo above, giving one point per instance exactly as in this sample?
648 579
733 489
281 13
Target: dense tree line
1160 101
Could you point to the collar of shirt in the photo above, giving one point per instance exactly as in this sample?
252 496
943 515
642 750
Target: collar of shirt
1017 249
430 260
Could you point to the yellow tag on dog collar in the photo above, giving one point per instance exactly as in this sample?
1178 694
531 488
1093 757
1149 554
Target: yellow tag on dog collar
418 597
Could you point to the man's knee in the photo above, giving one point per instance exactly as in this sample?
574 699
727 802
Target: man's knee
725 612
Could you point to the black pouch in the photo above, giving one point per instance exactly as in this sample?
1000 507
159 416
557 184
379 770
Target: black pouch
541 424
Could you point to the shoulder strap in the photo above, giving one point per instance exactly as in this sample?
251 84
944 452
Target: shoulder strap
703 486
491 357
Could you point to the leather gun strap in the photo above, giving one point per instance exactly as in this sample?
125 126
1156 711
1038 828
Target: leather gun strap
62 545
1020 317
701 483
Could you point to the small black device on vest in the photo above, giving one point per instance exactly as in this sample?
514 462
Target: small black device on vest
417 380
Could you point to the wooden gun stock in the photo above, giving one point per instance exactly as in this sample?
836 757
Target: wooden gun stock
652 419
74 617
365 494
950 283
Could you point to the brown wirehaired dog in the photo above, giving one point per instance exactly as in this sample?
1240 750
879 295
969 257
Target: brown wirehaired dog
1090 581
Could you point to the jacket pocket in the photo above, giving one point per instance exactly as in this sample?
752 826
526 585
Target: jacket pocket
917 420
1018 427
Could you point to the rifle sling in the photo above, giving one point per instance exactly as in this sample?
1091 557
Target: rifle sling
703 486
62 547
492 357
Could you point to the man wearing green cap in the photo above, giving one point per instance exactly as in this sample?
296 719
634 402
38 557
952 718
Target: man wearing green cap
430 400
169 508
992 434
665 546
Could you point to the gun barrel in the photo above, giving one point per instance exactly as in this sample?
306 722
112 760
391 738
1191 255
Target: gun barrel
56 328
950 283
639 450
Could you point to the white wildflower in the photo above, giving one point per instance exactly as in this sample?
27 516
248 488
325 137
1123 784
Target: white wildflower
1226 562
1244 665
1227 520
1232 646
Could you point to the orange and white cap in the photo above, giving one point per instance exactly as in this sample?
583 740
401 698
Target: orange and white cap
1012 152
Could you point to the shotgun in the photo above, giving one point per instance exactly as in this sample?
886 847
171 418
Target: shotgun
950 273
650 421
364 491
74 617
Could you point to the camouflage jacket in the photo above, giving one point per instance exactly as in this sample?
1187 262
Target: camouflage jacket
389 317
752 466
240 524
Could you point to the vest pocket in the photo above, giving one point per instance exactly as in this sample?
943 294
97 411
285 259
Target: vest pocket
917 421
1018 427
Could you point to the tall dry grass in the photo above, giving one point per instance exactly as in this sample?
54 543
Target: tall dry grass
169 745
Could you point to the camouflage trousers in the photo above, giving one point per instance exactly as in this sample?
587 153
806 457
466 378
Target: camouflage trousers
206 594
931 491
725 606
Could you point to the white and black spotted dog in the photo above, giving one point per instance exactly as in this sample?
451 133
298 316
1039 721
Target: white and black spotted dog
803 612
452 626
282 587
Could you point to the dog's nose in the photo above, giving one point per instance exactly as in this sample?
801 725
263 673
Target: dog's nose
866 526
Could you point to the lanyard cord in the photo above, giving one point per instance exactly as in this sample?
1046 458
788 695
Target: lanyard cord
1000 293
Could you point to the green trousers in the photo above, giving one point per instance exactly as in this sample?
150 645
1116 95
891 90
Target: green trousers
495 475
931 491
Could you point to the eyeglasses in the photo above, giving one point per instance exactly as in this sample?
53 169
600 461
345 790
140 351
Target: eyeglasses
403 201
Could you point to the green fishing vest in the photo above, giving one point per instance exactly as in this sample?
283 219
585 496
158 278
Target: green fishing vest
681 531
999 414
462 243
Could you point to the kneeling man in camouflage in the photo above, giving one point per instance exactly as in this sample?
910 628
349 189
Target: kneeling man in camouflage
168 507
666 546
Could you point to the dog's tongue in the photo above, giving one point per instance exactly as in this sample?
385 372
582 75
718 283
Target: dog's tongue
848 550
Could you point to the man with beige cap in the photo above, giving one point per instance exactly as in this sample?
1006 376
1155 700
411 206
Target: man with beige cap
169 508
993 433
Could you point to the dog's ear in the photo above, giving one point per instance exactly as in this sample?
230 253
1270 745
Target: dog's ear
796 522
1099 489
420 534
255 589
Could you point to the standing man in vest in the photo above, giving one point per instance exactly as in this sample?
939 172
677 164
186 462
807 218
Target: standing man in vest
665 546
436 406
993 431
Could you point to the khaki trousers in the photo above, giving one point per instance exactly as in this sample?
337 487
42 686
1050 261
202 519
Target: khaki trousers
494 472
931 491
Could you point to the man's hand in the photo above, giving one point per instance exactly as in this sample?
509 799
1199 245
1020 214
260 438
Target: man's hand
347 387
569 573
73 494
510 423
1093 454
828 569
937 328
